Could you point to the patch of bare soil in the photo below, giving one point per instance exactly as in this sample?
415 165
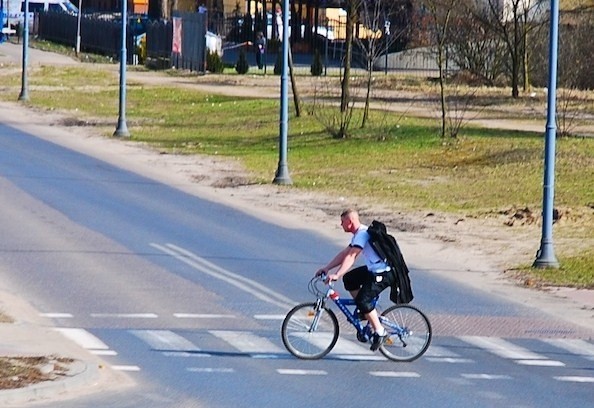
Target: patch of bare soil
19 372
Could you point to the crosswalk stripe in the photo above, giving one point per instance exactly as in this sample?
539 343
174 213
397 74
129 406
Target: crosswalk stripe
247 342
83 338
575 379
507 350
438 351
165 340
574 346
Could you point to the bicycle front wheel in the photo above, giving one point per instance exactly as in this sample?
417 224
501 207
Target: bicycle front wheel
409 333
309 333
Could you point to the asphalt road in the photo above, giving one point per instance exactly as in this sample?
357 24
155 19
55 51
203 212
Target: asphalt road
186 296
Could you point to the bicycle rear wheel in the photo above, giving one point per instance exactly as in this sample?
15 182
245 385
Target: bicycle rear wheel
308 333
409 333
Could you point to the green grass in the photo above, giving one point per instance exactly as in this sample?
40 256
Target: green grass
399 162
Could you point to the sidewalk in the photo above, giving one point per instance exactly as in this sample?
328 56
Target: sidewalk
33 336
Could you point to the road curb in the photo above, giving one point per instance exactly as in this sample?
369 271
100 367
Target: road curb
80 374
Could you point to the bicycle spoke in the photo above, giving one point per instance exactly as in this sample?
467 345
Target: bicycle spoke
305 341
410 333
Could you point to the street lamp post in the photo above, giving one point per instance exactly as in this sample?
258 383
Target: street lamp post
122 127
545 257
282 172
78 17
24 95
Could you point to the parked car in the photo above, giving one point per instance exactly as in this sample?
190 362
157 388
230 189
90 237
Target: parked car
15 10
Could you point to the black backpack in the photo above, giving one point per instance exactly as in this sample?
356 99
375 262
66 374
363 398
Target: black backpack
387 248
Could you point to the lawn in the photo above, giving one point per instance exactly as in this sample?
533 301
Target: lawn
399 161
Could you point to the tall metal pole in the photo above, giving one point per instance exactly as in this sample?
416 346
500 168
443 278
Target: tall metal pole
24 95
545 257
282 172
78 17
122 128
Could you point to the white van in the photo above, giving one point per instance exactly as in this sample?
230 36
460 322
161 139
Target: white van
14 10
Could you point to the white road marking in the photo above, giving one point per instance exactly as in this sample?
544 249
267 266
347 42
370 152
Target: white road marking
209 370
104 352
165 340
486 376
269 317
247 342
184 354
241 282
541 363
359 357
510 351
437 351
575 346
56 315
290 371
125 315
125 368
452 360
575 379
83 338
395 374
203 316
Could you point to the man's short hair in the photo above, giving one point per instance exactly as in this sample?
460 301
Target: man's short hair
348 211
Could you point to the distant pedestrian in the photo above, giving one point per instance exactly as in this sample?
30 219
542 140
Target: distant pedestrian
260 49
278 18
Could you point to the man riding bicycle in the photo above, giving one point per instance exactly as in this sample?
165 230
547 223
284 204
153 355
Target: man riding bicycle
364 283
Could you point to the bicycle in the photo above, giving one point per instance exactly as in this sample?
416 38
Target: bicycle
310 330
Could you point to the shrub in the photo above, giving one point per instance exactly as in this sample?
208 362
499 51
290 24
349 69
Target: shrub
278 65
316 65
214 63
242 66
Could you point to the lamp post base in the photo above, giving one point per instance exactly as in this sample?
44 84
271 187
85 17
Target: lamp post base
282 176
545 258
121 130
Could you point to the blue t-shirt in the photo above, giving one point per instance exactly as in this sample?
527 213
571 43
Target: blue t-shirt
373 262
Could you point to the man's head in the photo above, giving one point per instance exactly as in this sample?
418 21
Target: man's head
349 220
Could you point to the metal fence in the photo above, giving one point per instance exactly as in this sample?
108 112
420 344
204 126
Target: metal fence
192 55
103 35
98 36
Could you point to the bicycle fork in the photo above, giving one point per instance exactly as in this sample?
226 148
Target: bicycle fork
318 310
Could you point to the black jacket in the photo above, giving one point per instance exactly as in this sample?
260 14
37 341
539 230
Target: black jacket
387 248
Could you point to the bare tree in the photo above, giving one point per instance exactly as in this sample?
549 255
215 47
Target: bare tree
474 48
380 35
441 12
352 9
512 21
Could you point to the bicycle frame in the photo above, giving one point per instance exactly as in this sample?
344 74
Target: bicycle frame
311 330
343 304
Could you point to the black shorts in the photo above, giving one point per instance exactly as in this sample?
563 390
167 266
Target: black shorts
370 285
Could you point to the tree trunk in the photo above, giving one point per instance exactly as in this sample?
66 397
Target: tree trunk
296 99
368 95
345 85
